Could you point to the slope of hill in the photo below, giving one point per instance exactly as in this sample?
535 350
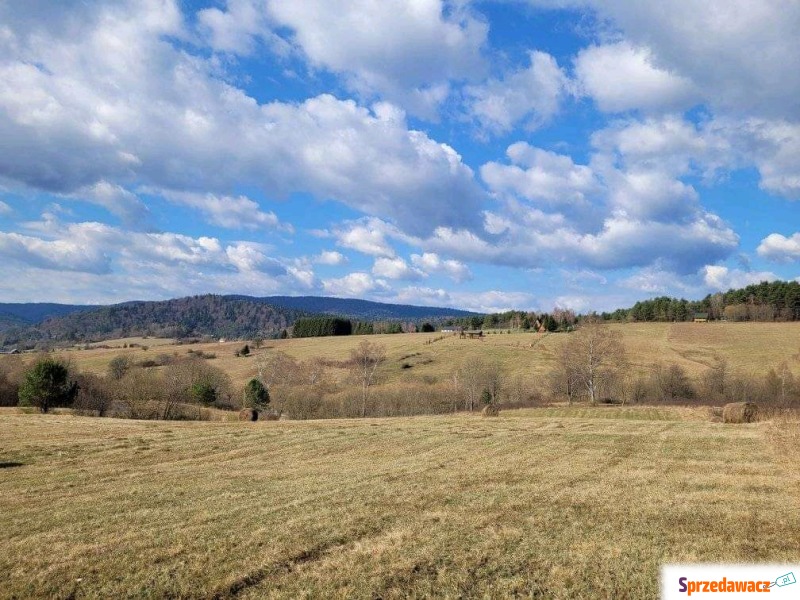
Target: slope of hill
219 316
196 315
362 309
36 312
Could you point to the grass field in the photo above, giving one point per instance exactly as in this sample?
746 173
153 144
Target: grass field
748 347
550 503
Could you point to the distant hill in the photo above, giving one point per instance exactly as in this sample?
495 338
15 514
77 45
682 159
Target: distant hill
212 315
36 312
362 309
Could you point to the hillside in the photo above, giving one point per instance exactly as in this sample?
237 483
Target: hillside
231 316
196 315
36 312
363 309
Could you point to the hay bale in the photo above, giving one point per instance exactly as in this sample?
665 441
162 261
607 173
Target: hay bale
740 412
490 410
248 414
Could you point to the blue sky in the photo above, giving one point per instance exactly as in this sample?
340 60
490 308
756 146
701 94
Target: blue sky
485 155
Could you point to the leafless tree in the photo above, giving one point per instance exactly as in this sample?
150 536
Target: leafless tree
594 354
477 375
364 361
275 368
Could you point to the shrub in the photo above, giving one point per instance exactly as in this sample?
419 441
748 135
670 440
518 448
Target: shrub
118 367
486 397
203 392
47 384
256 395
95 395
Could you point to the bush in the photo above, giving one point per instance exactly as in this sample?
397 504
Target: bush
256 395
95 395
11 373
46 385
118 367
203 392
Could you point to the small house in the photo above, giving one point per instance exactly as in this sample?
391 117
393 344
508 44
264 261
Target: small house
700 318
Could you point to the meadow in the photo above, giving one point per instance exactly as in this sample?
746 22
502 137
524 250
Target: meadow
747 347
551 502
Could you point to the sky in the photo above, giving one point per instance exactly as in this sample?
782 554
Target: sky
484 155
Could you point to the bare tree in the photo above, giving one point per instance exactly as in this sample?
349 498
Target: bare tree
473 378
364 361
594 355
275 368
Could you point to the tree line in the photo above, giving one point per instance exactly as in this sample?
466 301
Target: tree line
765 301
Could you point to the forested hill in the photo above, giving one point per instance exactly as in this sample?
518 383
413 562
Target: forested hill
36 312
765 301
363 310
182 317
209 315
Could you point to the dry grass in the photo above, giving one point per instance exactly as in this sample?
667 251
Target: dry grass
551 503
748 347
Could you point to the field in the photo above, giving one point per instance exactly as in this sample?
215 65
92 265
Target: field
550 503
748 348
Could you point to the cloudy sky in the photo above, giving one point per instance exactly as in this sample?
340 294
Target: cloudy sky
484 155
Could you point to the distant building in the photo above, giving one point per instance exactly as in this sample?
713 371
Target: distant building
700 318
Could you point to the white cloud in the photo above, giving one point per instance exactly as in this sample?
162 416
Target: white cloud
722 278
540 175
780 248
330 258
741 56
5 209
396 268
353 285
406 51
231 212
477 301
115 199
430 262
367 236
114 101
532 94
621 77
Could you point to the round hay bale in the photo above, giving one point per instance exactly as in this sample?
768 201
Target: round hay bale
490 410
272 416
740 412
248 414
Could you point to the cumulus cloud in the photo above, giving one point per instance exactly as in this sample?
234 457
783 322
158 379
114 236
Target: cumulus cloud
353 285
330 258
533 94
721 278
780 248
406 52
239 212
115 199
119 103
621 77
396 268
430 262
540 175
